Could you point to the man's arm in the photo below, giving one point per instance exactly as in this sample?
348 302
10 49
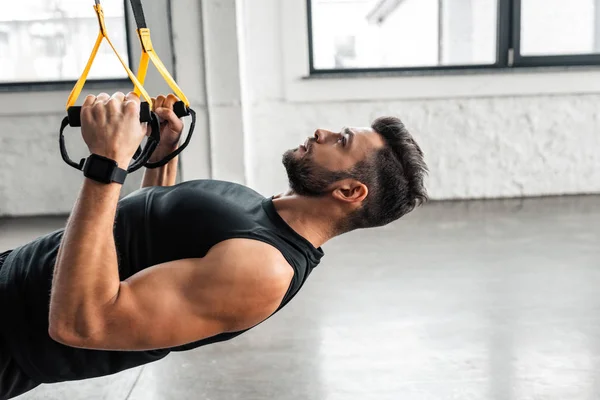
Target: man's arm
86 276
163 176
171 128
239 284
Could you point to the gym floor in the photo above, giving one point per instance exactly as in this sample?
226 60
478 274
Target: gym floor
460 300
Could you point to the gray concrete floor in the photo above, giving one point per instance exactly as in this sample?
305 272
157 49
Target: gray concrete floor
464 300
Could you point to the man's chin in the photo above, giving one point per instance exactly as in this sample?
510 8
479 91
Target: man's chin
291 154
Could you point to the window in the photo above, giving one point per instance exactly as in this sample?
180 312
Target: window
554 32
372 35
51 40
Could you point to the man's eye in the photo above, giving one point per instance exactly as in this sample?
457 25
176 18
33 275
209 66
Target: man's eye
343 140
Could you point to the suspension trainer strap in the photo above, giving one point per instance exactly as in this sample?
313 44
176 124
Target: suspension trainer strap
148 54
74 113
138 13
103 35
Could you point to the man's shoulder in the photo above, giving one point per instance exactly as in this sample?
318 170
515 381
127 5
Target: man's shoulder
250 253
256 272
212 183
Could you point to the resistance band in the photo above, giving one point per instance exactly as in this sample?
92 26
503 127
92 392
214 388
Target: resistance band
181 108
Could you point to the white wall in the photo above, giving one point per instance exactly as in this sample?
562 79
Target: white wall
485 135
538 136
475 148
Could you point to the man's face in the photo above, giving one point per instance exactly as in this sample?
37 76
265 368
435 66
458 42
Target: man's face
327 157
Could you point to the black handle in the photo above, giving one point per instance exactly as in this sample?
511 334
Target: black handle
165 161
180 109
74 114
143 156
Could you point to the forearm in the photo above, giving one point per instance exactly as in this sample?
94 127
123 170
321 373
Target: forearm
163 176
86 276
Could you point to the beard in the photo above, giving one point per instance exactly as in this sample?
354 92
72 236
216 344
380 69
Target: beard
306 178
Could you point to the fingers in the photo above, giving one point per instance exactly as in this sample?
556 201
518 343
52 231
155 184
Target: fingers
118 96
102 98
166 114
163 101
132 104
131 96
158 102
89 101
115 102
98 109
170 101
86 109
164 107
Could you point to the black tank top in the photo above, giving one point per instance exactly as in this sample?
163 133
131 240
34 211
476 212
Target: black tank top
153 226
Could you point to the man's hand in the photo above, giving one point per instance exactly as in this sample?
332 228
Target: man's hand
171 126
170 133
111 126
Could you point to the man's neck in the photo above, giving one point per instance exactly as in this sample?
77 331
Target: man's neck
307 216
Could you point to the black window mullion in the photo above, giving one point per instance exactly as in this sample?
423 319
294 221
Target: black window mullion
128 37
504 37
440 32
516 32
311 49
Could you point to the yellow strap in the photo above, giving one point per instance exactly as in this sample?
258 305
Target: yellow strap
143 69
79 85
148 54
139 89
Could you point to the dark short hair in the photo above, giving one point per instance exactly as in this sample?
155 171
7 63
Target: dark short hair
394 176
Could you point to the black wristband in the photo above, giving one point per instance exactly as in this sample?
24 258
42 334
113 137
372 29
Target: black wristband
104 170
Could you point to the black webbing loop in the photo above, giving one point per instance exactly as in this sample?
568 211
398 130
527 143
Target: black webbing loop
143 155
138 13
185 144
63 148
151 144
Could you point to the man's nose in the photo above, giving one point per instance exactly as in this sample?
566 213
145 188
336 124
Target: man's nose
321 135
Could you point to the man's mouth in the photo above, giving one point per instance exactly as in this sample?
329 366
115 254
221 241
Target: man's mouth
307 144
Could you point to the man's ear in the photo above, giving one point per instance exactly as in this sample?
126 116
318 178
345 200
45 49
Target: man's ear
350 191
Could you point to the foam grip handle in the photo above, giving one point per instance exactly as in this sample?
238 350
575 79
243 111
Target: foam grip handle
145 112
180 109
74 114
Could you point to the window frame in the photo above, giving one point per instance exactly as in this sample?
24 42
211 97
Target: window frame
508 48
37 86
547 60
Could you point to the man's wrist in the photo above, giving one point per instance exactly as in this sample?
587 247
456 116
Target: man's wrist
122 161
105 169
114 186
162 151
123 164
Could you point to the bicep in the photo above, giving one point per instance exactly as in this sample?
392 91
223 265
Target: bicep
159 307
184 301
